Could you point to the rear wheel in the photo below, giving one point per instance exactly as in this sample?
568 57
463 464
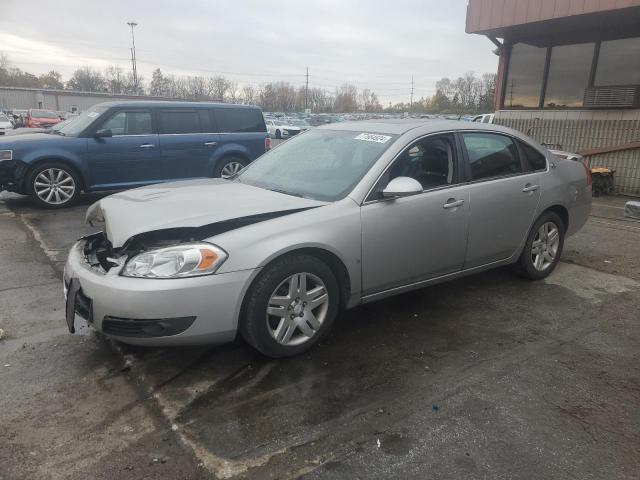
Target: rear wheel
54 185
544 246
291 306
229 166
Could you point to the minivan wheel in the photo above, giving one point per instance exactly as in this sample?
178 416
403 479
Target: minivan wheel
54 185
229 166
291 306
544 246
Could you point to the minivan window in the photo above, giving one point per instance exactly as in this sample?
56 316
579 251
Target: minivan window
175 122
129 123
491 155
534 160
234 120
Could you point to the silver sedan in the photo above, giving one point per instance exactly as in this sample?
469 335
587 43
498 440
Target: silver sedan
339 216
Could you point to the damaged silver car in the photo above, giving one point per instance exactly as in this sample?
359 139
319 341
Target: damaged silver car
338 216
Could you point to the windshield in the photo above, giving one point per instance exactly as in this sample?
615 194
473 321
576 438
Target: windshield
319 164
43 114
75 125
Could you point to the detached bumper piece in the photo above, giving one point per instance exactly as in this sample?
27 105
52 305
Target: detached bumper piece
127 327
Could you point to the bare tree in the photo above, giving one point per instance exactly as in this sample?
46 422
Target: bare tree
346 98
248 94
115 79
218 86
86 79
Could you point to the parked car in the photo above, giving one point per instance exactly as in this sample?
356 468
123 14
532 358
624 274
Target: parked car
282 128
343 215
5 124
119 145
41 118
484 118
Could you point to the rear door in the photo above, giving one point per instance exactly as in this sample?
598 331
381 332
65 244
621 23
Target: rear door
242 131
187 142
131 156
504 196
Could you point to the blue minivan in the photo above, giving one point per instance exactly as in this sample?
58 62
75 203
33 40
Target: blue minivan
120 145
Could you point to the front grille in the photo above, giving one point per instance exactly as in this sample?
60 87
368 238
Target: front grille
83 306
293 132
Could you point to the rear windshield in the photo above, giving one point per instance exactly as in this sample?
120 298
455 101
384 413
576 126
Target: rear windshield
236 120
43 114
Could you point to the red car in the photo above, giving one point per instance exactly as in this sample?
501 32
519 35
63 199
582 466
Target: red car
41 118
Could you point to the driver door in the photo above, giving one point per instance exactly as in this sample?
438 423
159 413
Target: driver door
130 157
414 238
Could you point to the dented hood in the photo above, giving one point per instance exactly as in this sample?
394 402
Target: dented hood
193 203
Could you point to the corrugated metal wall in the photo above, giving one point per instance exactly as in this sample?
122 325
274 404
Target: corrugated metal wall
484 15
577 130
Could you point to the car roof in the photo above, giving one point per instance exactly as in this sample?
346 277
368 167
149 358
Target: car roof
401 126
174 104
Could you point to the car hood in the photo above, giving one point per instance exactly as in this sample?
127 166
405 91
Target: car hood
45 120
191 203
28 139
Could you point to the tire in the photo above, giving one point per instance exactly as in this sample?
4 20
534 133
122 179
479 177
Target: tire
302 325
536 266
229 166
278 134
53 185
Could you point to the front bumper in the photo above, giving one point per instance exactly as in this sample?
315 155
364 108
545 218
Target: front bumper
208 306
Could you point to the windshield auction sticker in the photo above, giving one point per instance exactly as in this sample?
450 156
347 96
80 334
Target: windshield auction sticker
372 137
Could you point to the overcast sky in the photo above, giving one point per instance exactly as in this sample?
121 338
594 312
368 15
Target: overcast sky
374 44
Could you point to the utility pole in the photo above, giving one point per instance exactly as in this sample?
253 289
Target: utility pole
133 56
306 92
411 102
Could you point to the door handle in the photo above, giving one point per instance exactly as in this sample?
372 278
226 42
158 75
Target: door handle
530 188
452 203
147 145
210 144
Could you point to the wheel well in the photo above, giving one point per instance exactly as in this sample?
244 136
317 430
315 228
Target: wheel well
35 164
335 264
562 212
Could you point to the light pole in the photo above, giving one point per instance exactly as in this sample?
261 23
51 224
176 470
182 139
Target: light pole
133 56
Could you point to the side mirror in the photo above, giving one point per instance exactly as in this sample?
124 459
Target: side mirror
402 187
103 133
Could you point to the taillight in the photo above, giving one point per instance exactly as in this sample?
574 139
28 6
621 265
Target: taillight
267 144
587 172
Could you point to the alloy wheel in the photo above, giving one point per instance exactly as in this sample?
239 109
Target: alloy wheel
230 169
545 246
297 309
54 186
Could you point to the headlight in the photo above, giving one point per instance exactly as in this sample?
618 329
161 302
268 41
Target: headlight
6 155
188 260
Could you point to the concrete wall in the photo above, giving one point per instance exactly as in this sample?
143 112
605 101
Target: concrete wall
575 130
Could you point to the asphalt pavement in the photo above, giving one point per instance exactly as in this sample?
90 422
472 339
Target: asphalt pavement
489 376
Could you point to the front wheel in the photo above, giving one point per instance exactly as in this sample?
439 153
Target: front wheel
278 134
229 166
291 306
544 246
54 185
